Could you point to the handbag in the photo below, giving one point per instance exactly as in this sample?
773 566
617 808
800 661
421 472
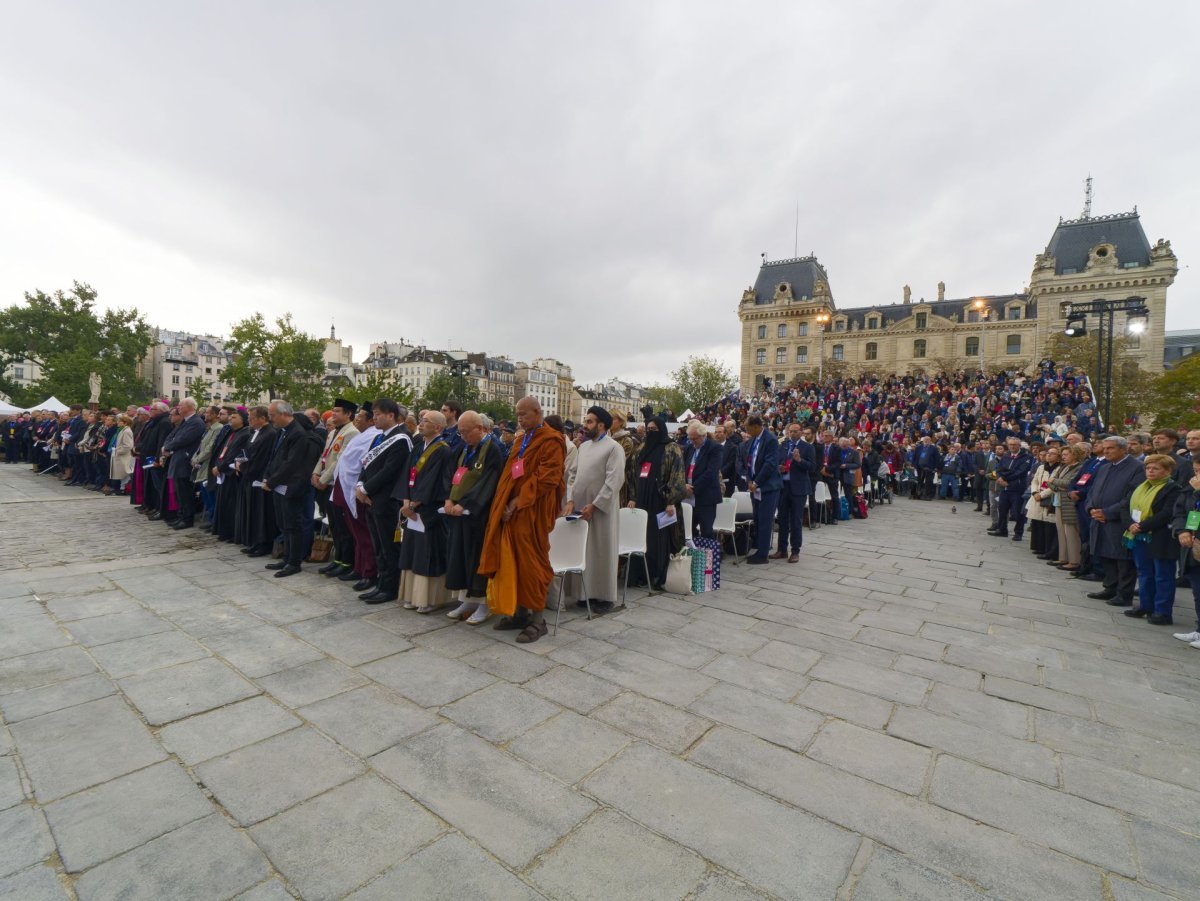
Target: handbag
322 548
679 573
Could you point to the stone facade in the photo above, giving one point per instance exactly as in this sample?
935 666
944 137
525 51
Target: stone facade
178 364
1087 259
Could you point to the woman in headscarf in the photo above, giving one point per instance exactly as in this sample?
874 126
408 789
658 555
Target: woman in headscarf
659 486
227 477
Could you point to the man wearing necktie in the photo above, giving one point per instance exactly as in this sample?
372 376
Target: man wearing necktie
762 475
796 470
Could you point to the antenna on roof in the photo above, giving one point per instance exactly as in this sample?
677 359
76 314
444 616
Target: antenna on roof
1087 199
796 246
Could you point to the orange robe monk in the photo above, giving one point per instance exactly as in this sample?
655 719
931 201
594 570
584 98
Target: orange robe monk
516 553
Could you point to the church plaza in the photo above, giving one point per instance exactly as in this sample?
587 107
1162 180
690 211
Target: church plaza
909 712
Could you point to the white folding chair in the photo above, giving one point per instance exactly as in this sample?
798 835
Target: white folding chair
568 554
631 542
822 497
745 507
685 510
725 522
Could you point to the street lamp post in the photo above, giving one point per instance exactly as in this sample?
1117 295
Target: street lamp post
1138 316
822 321
981 308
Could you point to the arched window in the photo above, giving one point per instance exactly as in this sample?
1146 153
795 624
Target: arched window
872 350
972 347
1012 344
919 348
839 352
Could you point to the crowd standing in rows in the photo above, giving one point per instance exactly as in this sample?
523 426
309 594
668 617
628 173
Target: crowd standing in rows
447 508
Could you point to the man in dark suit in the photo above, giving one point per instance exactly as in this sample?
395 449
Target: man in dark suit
829 467
761 458
383 467
180 447
297 448
928 460
149 449
728 458
1109 492
1012 477
796 469
702 471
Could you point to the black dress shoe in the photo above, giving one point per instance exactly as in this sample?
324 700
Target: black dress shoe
257 552
153 515
1018 538
329 567
757 560
368 595
1101 595
287 571
380 597
1091 577
363 585
339 572
247 550
1137 612
278 564
998 534
1117 602
1156 620
511 623
181 524
350 576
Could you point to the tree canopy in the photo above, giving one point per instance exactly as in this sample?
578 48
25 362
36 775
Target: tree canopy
281 362
702 381
1132 385
378 383
1175 399
68 339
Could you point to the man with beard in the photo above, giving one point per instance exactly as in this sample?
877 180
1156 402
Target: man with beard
594 492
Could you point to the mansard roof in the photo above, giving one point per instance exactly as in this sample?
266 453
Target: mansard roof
897 312
801 273
1074 239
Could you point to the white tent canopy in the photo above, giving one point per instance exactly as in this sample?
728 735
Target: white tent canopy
9 409
50 403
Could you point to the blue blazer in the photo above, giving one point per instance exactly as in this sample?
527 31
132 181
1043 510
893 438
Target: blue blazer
765 473
800 472
706 477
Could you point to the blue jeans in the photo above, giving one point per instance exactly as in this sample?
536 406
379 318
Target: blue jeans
1156 581
949 485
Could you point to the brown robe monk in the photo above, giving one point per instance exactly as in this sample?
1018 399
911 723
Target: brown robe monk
516 553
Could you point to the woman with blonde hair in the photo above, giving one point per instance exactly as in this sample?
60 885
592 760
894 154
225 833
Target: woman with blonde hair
120 460
1066 519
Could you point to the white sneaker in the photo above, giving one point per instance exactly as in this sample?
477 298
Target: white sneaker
1188 636
1195 644
480 615
463 609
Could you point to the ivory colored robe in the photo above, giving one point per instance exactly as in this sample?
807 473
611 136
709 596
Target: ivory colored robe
516 554
597 478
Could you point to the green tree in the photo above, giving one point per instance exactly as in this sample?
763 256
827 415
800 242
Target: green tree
68 338
665 397
378 383
702 381
281 362
442 386
1133 387
498 410
1175 396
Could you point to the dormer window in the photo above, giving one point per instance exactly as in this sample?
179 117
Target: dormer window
922 321
873 322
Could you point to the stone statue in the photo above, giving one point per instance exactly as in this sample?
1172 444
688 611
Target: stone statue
941 290
94 386
907 294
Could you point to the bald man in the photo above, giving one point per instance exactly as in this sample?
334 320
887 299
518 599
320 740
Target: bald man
472 487
422 490
516 548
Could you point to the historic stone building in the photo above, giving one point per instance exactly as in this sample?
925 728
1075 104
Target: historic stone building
792 327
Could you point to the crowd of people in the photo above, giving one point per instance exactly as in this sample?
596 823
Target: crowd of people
447 509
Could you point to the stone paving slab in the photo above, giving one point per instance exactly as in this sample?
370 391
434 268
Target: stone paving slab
910 712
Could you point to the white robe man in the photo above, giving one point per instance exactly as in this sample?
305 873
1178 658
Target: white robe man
594 491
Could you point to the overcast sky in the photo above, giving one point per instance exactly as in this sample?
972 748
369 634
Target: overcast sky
588 181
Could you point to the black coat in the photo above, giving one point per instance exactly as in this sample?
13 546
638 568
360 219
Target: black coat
706 476
293 461
381 477
1157 526
802 468
151 439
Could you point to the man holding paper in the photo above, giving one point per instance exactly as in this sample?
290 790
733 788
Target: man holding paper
297 448
594 491
762 475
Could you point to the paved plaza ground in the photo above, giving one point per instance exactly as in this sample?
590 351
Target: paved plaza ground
915 710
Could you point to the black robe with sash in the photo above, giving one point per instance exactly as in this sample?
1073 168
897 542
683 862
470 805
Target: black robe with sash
427 482
473 491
